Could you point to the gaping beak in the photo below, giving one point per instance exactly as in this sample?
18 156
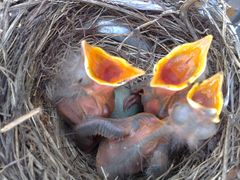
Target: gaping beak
182 66
106 69
208 94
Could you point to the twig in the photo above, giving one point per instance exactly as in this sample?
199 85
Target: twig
114 7
183 14
224 23
12 163
21 119
148 23
104 174
226 150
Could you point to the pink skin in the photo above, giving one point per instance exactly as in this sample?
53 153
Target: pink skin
155 100
85 88
147 139
91 101
145 143
78 98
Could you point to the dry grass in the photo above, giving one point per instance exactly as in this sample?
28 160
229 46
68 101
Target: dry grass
34 37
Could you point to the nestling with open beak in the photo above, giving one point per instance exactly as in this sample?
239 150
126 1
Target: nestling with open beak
172 76
99 74
148 143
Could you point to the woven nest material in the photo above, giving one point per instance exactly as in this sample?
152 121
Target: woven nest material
34 39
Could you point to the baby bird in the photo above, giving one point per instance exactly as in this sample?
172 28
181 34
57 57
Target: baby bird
172 76
147 144
98 73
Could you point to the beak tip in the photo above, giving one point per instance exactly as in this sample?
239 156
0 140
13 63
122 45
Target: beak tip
205 42
83 42
216 120
220 76
208 38
141 72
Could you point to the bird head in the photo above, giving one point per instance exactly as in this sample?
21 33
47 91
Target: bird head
196 118
208 95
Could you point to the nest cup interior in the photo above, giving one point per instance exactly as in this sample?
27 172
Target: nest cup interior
34 41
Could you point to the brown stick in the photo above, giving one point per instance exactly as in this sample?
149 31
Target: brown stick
21 119
183 14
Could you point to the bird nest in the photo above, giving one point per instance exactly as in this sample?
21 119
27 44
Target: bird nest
34 39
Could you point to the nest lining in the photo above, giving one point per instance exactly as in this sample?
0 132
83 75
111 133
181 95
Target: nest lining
34 39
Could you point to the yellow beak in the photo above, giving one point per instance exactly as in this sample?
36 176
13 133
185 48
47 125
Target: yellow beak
106 69
208 94
182 66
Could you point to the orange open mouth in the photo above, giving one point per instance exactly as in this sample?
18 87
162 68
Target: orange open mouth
106 69
182 66
208 94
